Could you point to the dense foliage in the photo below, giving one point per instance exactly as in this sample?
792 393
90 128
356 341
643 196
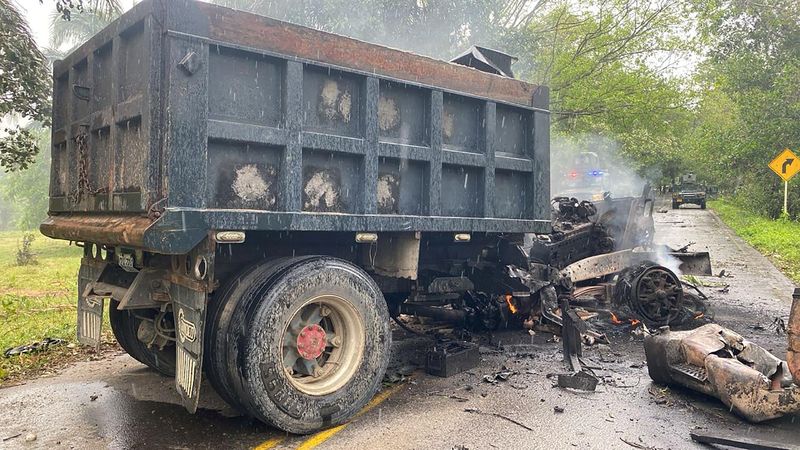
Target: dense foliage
24 88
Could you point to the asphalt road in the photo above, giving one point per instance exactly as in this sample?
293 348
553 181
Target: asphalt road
116 403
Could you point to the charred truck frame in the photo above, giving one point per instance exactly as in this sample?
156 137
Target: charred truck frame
256 200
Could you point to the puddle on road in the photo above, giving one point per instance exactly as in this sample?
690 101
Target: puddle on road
118 420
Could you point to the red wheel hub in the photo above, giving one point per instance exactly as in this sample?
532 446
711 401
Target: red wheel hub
311 342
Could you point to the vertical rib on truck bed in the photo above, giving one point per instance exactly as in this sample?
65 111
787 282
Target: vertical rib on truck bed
229 120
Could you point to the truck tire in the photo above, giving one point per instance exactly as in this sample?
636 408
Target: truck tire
217 363
703 205
125 324
312 345
675 205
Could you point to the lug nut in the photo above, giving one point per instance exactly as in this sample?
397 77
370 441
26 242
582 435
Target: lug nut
336 341
317 372
325 311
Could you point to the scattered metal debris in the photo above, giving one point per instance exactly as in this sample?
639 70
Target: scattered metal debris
502 375
728 440
13 436
583 381
34 347
716 361
635 445
478 411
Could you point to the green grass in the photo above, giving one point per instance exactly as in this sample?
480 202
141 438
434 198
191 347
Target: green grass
777 239
36 301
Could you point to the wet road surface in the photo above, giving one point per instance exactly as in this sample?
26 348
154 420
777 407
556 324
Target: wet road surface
116 403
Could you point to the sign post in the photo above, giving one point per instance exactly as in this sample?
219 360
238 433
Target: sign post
786 165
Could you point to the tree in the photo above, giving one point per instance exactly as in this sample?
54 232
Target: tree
24 88
750 80
93 17
26 191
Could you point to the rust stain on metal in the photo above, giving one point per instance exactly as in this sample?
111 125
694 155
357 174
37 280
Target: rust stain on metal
293 40
108 229
793 332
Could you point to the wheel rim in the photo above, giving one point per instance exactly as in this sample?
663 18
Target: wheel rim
322 345
657 295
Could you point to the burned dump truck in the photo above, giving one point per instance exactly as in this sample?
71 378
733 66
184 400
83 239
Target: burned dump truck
255 200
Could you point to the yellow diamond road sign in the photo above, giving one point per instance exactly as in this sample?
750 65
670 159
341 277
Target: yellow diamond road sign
786 165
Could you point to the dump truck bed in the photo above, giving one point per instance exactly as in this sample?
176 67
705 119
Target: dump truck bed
183 117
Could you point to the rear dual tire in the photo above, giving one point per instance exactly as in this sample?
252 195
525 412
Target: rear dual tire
125 324
299 343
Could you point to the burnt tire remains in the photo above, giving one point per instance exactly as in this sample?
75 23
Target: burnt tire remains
653 293
300 343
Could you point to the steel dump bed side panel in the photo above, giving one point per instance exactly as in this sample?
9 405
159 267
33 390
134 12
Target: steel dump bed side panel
196 117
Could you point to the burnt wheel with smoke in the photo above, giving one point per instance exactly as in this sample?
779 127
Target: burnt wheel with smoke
651 292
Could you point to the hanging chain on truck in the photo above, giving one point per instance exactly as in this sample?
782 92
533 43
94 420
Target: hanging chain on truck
82 186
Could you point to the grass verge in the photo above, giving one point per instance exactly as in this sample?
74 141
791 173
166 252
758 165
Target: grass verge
38 301
779 240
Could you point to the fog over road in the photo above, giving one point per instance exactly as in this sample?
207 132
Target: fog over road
117 403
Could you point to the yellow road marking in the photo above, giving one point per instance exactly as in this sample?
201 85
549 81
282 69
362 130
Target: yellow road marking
270 443
323 436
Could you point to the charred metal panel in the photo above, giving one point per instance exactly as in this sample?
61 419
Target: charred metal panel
58 170
462 123
462 191
403 115
80 107
133 61
60 100
243 176
130 166
511 132
100 159
187 116
332 102
401 187
244 87
331 182
511 194
540 181
103 78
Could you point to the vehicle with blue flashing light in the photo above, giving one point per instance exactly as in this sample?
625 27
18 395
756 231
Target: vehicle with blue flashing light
586 179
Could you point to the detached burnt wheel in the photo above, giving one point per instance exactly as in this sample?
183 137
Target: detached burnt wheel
131 326
307 343
657 295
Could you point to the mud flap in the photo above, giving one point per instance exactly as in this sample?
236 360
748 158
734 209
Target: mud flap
90 306
189 307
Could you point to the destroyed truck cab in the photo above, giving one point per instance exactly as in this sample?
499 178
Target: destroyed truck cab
256 199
